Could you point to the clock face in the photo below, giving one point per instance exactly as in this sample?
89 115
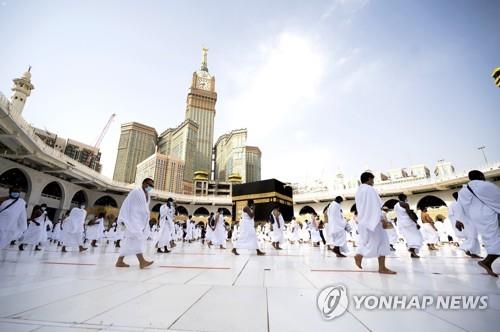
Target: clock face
203 83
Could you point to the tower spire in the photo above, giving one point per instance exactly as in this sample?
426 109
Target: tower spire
204 53
21 91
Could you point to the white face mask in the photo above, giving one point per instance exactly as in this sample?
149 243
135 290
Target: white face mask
149 189
82 206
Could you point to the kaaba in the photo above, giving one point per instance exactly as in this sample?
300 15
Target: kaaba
266 195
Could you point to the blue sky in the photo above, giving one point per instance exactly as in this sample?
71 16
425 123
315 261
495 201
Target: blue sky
320 85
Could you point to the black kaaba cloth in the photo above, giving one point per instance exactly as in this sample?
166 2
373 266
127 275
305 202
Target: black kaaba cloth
266 195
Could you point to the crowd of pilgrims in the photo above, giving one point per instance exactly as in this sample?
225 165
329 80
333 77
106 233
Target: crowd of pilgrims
331 230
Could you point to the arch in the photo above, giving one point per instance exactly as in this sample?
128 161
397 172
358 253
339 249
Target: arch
201 211
430 201
53 190
182 210
16 176
156 208
306 210
106 201
226 212
390 203
80 197
353 208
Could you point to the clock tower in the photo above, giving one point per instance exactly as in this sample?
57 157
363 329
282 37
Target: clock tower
200 108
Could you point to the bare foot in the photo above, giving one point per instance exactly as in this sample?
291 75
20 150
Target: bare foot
260 253
83 249
386 271
358 259
145 264
487 268
121 264
414 255
234 251
475 256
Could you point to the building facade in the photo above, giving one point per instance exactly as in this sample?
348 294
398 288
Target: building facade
200 108
192 142
234 158
81 152
166 171
253 157
137 142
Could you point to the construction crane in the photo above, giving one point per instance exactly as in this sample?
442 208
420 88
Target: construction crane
99 140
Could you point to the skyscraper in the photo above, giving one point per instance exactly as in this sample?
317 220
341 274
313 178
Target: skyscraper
234 158
190 143
252 162
137 142
167 172
200 108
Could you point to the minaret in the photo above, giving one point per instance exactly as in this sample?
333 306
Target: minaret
20 92
200 108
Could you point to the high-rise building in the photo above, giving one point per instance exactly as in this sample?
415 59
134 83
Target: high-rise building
137 142
167 172
229 153
200 108
192 143
252 161
234 158
180 143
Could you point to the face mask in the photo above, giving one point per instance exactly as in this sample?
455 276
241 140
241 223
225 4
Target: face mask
149 189
14 195
43 209
82 206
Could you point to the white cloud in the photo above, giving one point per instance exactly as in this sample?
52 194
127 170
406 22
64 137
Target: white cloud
273 95
344 7
287 75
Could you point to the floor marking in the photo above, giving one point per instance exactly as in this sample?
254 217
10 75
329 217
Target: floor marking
63 263
413 271
234 282
195 267
316 270
267 312
192 305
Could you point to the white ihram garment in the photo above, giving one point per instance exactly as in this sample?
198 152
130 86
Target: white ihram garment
95 232
247 237
134 213
373 241
166 224
482 209
72 229
408 229
469 236
278 227
337 226
13 221
34 233
219 234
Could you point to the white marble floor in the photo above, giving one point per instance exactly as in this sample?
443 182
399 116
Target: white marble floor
199 289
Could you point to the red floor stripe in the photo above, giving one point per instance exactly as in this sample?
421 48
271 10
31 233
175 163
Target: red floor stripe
195 267
62 263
